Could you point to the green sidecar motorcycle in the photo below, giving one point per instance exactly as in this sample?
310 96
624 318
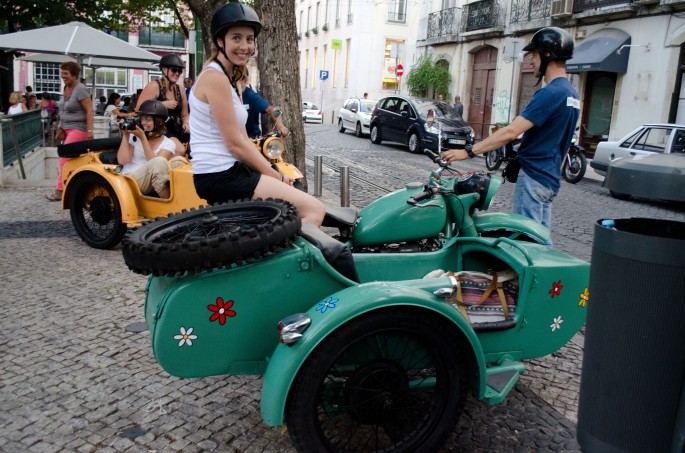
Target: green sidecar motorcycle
362 348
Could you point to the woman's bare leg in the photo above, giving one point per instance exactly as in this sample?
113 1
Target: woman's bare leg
311 210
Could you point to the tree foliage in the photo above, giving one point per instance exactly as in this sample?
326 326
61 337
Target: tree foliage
427 78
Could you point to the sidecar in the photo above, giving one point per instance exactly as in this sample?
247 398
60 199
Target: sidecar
360 352
103 203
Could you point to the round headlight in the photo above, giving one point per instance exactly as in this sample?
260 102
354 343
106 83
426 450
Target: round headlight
274 147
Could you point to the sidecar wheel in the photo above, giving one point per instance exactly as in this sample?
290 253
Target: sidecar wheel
211 237
341 128
358 130
391 381
375 135
96 211
493 159
77 148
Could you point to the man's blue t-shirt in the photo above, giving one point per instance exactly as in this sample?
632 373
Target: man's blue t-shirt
256 105
554 111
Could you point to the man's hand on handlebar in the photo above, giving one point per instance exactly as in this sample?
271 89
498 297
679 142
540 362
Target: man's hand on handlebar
454 155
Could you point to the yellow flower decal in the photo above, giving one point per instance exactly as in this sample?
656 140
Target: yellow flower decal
584 296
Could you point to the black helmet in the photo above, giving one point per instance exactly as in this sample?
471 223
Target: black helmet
153 107
553 41
171 60
234 14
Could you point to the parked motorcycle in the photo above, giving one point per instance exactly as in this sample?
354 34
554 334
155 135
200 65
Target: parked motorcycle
572 167
272 146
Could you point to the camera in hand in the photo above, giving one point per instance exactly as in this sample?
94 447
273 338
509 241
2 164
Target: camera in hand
129 124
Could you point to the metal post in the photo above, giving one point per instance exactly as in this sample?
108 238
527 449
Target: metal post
16 145
317 176
345 186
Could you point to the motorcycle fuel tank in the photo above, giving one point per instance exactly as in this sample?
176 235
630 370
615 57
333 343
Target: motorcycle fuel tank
391 219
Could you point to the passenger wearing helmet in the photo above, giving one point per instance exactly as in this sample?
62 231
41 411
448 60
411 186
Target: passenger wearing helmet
547 124
226 164
144 151
168 90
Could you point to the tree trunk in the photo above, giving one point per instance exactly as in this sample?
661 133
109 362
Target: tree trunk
279 72
203 10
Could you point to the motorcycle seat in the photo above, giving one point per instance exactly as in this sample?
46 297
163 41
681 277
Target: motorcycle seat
337 254
339 217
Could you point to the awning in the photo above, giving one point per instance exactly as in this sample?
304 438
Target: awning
601 51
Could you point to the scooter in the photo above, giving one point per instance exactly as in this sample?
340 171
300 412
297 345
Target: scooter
272 146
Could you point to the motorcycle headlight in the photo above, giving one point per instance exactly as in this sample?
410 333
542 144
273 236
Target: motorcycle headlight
273 147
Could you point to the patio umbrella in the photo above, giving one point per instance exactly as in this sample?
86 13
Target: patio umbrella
77 40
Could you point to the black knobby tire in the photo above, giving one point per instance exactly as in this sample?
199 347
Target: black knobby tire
392 380
358 130
341 128
96 211
574 172
211 237
77 148
375 134
414 143
493 159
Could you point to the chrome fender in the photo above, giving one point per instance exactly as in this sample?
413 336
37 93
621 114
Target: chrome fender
351 303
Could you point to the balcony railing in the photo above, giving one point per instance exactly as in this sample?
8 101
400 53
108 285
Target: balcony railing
483 14
528 10
580 6
444 23
149 37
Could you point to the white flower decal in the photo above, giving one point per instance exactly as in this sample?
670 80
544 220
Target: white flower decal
186 337
555 325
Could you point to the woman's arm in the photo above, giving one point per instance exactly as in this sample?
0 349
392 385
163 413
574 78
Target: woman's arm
125 152
88 107
185 117
216 89
151 91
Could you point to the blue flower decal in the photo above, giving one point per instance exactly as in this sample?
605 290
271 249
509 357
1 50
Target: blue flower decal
326 304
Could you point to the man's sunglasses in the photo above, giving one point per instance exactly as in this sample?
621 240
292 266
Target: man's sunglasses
176 69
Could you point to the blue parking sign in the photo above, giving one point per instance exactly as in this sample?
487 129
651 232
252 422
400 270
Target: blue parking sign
323 75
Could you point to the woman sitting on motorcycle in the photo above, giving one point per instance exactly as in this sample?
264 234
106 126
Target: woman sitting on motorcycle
226 164
144 151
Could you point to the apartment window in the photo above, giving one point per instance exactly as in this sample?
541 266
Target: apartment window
325 13
316 22
392 56
108 77
46 77
301 21
309 15
306 67
397 11
348 43
337 13
349 12
315 72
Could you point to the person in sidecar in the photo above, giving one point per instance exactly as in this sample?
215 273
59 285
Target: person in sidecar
145 150
547 124
226 164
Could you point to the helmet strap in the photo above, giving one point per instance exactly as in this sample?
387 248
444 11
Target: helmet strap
230 79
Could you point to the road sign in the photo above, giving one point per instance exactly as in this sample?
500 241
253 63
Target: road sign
400 70
323 75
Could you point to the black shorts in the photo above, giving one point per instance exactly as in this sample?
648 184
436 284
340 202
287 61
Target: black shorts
236 183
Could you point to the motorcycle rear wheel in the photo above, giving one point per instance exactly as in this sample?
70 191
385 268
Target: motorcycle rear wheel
574 171
211 237
493 159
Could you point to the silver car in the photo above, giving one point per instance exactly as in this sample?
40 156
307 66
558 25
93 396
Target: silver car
355 114
645 140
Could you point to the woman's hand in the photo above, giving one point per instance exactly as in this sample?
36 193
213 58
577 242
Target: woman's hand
287 180
186 127
170 104
138 132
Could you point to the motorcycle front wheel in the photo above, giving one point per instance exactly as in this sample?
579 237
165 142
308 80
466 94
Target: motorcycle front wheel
392 380
574 167
493 159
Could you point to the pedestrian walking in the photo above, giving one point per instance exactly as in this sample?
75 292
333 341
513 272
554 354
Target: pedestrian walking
458 106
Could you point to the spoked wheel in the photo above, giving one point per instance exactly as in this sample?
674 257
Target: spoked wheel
211 237
390 381
493 159
96 212
574 170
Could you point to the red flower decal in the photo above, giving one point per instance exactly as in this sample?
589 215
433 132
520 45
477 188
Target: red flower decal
556 289
221 310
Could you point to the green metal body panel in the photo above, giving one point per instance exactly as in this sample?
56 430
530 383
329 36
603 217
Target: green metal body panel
391 219
345 306
493 221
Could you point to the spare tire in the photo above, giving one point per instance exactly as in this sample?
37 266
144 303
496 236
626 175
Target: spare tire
211 237
77 148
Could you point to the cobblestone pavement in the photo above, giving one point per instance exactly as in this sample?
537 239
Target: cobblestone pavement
76 380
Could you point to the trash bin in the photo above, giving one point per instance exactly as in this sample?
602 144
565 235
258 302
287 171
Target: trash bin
632 389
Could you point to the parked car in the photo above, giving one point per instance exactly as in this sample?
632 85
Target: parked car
645 140
403 119
311 112
355 114
655 176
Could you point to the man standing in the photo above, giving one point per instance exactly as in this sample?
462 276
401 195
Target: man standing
458 106
256 105
547 125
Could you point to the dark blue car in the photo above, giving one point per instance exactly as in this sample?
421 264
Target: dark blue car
403 119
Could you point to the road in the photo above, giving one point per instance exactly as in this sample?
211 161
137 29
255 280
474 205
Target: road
75 379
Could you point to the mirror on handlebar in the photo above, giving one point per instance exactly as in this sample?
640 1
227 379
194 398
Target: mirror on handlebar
430 118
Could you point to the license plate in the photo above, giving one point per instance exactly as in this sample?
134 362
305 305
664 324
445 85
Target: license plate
456 141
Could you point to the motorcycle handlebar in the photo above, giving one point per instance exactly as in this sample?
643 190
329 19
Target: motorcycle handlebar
427 193
435 158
